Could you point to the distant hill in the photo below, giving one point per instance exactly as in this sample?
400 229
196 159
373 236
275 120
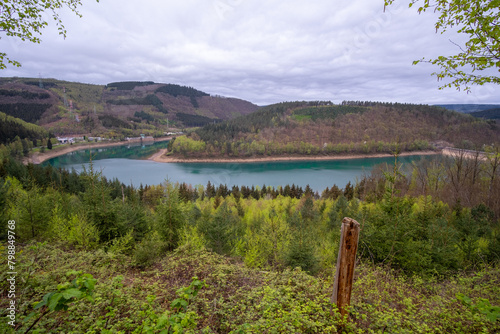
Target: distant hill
318 128
468 108
118 109
487 114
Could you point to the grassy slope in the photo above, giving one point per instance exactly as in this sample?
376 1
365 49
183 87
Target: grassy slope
239 298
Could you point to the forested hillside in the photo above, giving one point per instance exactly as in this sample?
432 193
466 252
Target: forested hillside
320 128
11 127
18 137
66 108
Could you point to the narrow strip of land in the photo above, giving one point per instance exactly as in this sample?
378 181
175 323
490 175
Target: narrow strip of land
161 157
38 158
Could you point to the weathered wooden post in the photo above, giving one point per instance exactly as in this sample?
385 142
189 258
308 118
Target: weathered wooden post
344 275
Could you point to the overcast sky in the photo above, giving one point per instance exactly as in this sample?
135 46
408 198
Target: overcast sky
262 51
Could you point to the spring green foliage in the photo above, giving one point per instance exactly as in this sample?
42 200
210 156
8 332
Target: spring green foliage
184 145
80 287
478 20
170 217
265 254
67 293
483 306
179 319
418 224
231 297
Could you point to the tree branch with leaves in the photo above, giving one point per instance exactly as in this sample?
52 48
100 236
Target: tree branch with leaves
479 20
24 19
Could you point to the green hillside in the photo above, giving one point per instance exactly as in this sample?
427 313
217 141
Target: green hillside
11 127
18 137
321 128
116 110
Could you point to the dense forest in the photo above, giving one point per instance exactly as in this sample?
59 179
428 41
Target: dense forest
218 259
109 121
24 94
176 90
11 127
143 116
29 112
313 128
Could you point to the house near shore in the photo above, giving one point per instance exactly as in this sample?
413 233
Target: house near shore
69 140
65 140
96 139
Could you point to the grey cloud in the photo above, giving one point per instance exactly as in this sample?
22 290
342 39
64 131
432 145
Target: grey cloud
266 51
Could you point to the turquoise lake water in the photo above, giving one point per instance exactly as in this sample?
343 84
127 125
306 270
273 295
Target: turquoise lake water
128 164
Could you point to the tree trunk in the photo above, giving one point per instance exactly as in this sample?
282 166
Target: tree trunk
344 275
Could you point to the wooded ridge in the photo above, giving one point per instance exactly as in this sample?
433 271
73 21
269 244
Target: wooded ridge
321 128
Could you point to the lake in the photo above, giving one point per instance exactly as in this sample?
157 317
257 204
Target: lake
128 164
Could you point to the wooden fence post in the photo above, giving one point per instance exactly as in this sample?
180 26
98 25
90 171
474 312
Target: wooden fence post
344 275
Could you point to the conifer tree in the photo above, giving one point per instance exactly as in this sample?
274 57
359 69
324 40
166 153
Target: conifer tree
170 217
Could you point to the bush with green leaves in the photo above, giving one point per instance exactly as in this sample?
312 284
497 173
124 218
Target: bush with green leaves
81 287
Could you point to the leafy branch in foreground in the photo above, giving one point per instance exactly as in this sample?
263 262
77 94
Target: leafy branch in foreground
80 288
25 20
483 306
479 20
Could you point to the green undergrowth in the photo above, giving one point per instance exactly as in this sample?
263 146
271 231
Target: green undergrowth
190 291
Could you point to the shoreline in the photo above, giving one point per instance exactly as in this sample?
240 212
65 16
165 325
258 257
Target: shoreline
160 157
38 158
